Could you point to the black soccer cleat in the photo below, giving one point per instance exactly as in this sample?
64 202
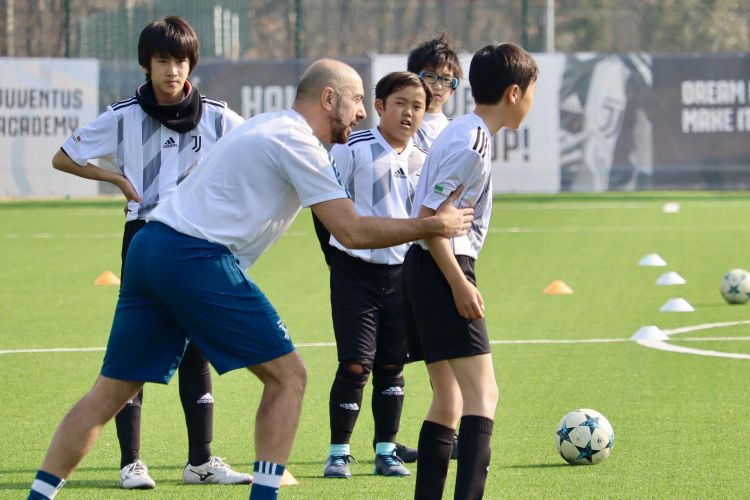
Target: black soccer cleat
406 454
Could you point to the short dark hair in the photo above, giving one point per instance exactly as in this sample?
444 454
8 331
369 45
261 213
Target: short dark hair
434 54
395 81
494 68
170 35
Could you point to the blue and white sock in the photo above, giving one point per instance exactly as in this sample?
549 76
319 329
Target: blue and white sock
385 448
266 480
339 450
45 486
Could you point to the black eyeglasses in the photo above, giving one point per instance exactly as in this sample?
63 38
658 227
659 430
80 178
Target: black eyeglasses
433 78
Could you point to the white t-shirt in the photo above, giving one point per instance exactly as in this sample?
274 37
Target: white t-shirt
432 125
461 155
154 158
381 182
252 184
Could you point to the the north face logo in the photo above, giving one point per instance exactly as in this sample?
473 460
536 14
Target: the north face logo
169 143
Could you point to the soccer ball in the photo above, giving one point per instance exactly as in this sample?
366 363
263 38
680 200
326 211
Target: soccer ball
584 437
735 286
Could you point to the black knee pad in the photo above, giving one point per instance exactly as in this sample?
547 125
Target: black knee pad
388 376
359 379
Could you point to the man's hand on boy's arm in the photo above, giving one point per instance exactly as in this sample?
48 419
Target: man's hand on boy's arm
356 231
457 221
62 162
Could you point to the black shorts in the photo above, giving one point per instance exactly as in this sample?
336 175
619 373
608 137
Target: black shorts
367 310
435 331
131 228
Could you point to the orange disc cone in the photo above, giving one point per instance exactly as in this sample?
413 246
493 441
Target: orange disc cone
107 278
558 287
287 479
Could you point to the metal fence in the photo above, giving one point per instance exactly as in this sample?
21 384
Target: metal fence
283 29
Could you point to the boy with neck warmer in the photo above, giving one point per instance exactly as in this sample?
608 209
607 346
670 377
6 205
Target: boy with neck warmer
154 140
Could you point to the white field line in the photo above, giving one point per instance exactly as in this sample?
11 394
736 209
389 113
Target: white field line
494 230
663 345
655 205
96 236
62 236
612 229
497 342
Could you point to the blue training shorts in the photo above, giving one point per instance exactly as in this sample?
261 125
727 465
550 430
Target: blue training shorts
176 289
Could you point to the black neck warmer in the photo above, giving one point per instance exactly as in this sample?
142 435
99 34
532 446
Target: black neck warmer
181 117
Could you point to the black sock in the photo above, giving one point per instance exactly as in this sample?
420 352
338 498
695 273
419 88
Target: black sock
474 436
197 403
128 424
387 403
434 448
343 408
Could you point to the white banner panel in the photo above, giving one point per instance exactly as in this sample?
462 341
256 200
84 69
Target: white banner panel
524 160
42 102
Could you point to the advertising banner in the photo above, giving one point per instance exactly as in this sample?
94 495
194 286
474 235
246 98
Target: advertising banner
605 126
254 87
701 117
523 160
42 102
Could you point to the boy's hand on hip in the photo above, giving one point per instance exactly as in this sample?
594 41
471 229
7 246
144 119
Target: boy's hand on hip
128 190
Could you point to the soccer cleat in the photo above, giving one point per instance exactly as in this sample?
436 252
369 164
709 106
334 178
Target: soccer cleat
338 466
454 451
406 454
390 466
135 476
215 471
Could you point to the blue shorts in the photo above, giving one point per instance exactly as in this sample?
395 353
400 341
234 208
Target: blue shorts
176 289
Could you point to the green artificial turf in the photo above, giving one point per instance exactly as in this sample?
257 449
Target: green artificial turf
680 420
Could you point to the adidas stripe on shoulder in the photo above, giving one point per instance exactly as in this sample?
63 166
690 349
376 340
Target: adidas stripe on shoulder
364 136
481 141
124 103
213 102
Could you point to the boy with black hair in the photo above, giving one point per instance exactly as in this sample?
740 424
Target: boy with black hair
445 311
437 63
155 139
380 169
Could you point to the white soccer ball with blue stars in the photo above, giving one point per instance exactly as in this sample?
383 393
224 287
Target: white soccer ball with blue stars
584 437
735 286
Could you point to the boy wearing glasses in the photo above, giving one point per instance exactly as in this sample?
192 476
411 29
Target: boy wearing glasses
436 62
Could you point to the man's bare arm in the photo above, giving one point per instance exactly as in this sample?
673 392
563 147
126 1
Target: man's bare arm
355 231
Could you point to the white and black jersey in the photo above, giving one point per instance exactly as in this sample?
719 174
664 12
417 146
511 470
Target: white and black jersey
154 158
432 125
460 155
381 182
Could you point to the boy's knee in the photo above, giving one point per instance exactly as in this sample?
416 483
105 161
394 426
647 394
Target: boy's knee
354 372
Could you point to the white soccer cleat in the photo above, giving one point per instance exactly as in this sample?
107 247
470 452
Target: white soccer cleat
135 476
215 471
